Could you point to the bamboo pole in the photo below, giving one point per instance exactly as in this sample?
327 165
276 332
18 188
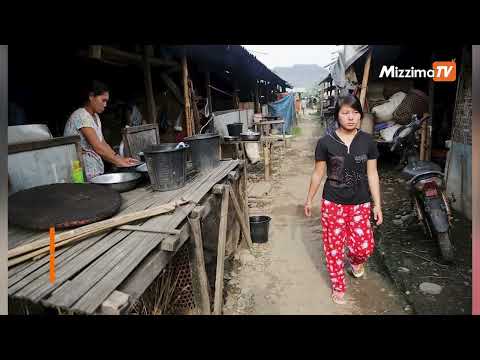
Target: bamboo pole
199 264
222 237
151 108
186 96
366 72
86 231
240 219
267 160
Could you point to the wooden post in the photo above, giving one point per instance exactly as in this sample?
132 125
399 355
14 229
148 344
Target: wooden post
151 108
241 220
258 109
245 195
237 229
366 71
199 261
266 154
186 96
236 100
222 238
209 92
428 151
423 140
322 96
195 112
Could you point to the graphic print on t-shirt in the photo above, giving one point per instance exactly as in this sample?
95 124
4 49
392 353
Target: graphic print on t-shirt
346 177
336 170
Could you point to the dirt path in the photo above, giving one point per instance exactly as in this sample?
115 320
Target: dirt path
287 275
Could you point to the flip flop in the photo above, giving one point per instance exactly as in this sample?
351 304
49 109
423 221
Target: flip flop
359 272
337 298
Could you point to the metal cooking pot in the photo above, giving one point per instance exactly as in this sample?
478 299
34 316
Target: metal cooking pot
230 139
250 136
120 182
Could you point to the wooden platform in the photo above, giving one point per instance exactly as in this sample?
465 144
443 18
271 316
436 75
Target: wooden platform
88 272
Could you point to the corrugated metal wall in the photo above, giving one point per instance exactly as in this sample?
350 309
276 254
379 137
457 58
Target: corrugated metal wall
41 167
459 162
225 118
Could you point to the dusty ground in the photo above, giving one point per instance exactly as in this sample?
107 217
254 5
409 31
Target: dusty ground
287 275
411 258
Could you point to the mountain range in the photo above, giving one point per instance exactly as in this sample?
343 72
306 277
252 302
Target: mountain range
301 76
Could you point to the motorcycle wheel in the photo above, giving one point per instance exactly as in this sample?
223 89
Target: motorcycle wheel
446 246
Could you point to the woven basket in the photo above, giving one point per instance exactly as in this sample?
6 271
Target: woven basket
416 102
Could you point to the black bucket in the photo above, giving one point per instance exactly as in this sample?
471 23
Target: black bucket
205 151
235 129
259 228
166 166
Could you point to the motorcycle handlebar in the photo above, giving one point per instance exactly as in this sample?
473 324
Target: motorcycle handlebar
396 139
393 147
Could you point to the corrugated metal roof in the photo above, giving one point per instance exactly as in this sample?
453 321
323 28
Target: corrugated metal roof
232 58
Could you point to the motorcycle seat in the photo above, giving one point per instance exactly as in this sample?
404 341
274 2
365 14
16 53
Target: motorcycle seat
420 167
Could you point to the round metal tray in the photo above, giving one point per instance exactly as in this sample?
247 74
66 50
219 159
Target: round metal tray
123 181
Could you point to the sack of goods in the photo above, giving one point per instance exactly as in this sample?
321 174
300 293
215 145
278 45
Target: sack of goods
387 134
385 111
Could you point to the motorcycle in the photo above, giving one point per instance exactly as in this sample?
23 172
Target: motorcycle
426 185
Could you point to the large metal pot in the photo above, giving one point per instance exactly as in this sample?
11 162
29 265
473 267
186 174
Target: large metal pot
124 181
250 136
205 151
230 139
167 165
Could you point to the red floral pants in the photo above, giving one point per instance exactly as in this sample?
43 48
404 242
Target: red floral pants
345 225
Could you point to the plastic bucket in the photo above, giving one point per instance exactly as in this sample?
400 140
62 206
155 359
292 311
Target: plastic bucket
204 150
259 226
235 129
166 166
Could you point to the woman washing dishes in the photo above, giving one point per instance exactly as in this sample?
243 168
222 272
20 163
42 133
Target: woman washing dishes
85 122
348 157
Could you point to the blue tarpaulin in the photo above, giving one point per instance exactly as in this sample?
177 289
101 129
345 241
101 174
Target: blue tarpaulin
285 108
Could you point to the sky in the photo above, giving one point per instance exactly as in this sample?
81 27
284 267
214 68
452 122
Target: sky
288 55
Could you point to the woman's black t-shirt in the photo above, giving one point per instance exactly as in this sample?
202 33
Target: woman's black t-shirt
347 181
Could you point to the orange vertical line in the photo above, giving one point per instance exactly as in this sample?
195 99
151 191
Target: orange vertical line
52 255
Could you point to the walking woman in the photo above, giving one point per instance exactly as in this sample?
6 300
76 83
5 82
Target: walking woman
348 157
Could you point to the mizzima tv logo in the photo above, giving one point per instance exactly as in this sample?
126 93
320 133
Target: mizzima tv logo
440 71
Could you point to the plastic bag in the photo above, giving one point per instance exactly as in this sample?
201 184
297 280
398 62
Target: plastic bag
385 111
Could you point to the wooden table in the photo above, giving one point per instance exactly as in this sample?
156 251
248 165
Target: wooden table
266 143
269 123
91 271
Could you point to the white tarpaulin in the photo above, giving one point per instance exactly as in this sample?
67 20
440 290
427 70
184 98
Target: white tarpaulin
347 55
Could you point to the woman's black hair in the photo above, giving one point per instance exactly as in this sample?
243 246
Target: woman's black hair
95 88
348 100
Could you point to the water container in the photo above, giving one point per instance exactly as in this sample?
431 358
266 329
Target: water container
235 129
204 150
259 228
166 164
77 172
